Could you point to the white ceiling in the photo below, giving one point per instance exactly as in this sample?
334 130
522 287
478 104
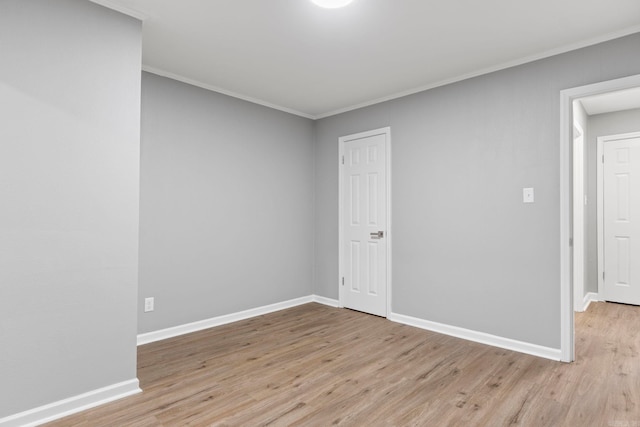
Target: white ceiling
298 57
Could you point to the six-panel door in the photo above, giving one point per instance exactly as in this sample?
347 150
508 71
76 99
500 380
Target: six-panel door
622 220
364 224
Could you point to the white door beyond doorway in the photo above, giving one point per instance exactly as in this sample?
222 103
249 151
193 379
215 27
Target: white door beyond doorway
620 209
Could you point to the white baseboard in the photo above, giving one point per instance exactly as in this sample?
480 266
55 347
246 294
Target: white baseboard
588 299
480 337
326 301
187 328
63 408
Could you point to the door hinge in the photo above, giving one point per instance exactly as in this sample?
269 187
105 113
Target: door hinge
603 275
343 281
603 158
343 160
570 241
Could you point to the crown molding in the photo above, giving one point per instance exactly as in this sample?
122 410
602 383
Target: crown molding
499 67
122 9
163 73
481 72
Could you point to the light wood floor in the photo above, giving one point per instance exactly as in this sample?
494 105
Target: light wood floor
319 366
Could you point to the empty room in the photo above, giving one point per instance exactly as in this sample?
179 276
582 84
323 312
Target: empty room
319 212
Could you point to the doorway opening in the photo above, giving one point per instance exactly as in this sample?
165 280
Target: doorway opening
578 193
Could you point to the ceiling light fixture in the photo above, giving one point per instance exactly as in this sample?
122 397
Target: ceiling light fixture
332 4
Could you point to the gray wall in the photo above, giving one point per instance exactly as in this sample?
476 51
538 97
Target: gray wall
69 169
466 251
226 206
601 125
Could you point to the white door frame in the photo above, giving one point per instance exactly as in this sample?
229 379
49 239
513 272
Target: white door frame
389 232
600 184
578 217
567 97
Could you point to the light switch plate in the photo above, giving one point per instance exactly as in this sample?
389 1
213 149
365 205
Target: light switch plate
527 195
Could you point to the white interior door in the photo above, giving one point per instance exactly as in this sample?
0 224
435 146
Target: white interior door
364 217
621 222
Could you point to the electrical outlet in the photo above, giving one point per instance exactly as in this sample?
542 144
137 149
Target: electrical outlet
148 304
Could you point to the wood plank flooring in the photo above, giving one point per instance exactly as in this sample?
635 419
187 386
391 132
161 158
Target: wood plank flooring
319 366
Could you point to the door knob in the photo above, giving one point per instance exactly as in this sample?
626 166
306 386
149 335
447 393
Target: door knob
377 235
